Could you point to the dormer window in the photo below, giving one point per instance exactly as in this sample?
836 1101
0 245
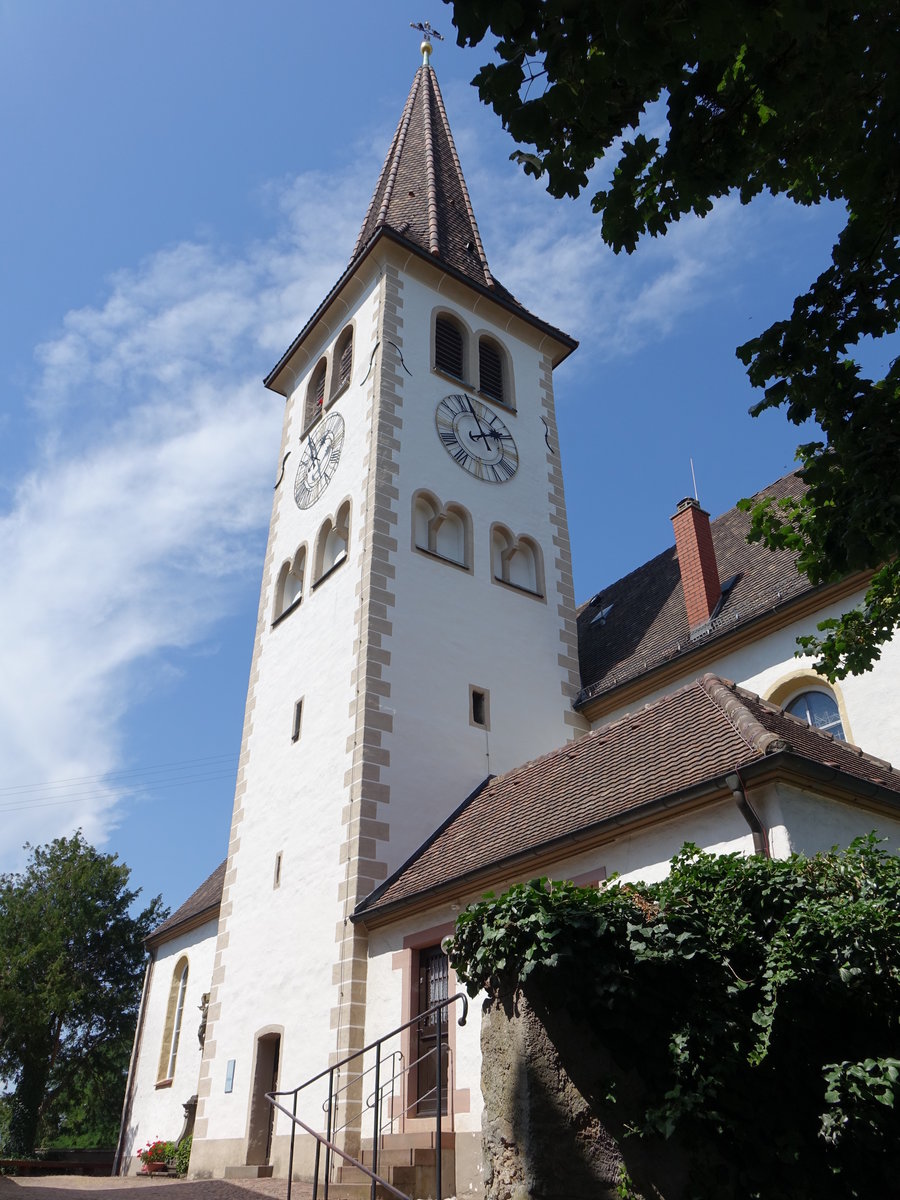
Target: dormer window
449 347
490 371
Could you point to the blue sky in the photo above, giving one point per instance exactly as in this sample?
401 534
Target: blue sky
184 182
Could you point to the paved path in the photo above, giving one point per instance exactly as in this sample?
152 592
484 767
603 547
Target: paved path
62 1187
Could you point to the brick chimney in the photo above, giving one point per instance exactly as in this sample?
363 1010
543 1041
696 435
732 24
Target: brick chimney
697 560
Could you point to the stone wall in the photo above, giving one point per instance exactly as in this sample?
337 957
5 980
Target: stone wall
550 1132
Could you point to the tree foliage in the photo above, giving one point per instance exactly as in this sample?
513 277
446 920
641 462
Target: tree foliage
800 99
71 956
758 1001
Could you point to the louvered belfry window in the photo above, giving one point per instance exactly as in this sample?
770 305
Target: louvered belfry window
345 364
490 371
448 347
315 395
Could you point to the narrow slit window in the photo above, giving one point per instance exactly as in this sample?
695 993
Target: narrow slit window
479 708
298 718
276 882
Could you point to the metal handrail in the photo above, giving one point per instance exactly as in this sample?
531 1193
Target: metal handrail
437 1010
370 1099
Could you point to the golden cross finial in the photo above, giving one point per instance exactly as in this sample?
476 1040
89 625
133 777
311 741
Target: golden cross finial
424 27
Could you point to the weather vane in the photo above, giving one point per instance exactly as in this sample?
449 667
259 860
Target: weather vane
424 27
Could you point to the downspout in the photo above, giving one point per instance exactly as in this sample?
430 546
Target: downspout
132 1066
749 813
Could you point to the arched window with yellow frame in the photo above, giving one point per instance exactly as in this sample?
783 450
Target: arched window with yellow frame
174 1014
806 695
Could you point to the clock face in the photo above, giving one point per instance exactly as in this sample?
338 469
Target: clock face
475 437
320 459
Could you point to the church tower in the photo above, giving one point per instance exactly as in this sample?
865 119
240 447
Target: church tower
416 628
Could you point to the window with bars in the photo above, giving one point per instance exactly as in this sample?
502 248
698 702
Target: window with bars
449 346
490 371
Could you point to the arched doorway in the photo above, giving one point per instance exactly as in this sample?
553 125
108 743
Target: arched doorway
262 1114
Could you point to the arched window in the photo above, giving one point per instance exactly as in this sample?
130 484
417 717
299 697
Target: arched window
450 536
315 393
805 694
521 566
449 347
442 530
490 370
819 709
343 357
516 561
174 1013
425 509
289 589
332 542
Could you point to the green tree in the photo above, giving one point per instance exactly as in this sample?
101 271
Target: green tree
71 956
802 99
758 1002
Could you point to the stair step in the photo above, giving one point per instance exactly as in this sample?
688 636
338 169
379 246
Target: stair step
357 1191
412 1141
410 1156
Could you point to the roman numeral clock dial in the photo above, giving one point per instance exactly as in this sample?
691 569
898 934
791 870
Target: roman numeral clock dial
475 437
320 459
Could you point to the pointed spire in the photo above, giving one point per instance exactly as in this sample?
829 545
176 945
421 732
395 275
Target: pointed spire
421 193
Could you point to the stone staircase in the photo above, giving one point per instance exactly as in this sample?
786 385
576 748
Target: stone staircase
407 1162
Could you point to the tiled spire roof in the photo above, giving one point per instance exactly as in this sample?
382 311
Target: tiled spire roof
421 193
421 200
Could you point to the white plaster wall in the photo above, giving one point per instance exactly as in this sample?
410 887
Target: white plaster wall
871 701
158 1112
802 824
453 630
277 966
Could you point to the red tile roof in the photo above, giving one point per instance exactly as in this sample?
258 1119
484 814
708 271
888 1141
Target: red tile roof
203 903
647 623
685 742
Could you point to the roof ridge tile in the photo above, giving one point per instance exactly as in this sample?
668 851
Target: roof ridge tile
726 695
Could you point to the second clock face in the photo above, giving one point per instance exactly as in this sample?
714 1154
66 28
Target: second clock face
475 437
319 462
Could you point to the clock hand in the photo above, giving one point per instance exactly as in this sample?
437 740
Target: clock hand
480 433
494 433
314 456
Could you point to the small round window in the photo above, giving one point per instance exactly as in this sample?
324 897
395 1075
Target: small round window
818 709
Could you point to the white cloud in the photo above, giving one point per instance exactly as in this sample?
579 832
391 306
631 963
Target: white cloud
146 495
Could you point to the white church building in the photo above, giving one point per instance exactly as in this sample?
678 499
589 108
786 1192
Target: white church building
429 716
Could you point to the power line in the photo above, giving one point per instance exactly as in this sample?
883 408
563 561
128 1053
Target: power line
22 804
211 762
